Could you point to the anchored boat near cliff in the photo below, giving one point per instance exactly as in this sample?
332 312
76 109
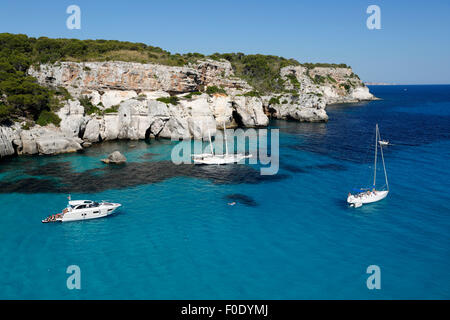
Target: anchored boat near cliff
370 195
212 158
83 210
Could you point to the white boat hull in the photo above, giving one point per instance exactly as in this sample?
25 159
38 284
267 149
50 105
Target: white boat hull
364 198
219 159
91 213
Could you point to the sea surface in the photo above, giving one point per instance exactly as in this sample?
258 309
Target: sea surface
289 236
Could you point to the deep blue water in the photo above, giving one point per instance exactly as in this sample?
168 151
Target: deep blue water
290 236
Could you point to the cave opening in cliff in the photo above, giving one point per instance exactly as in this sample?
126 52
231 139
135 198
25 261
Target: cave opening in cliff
81 132
237 118
147 134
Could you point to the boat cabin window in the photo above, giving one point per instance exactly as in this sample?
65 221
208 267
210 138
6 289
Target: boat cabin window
81 206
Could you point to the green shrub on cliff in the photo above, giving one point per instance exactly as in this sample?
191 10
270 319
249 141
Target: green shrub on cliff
89 108
318 79
324 65
172 100
294 81
5 113
260 71
47 117
21 95
274 100
191 94
112 109
252 94
214 89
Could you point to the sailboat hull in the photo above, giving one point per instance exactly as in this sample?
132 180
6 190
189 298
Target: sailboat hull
364 198
220 159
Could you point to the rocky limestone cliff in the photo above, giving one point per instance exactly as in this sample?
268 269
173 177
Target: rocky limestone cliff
126 94
310 90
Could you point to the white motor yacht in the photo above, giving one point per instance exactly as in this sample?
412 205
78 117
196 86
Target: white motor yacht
83 210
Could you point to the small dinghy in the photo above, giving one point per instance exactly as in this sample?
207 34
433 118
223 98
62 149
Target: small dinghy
384 143
370 195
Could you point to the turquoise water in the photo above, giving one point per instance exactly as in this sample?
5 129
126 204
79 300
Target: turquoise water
290 236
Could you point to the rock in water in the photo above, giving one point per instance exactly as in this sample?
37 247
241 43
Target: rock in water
115 157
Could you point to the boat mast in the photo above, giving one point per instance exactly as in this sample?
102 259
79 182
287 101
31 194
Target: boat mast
225 135
210 142
384 167
375 161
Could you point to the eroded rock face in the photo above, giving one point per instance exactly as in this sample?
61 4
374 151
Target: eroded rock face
72 118
250 111
304 108
92 131
333 85
47 140
7 136
312 90
102 76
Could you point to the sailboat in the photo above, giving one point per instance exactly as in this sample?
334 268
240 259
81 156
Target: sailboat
212 158
369 195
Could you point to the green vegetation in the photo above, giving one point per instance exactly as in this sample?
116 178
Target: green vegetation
20 95
260 71
5 112
47 117
112 109
26 125
347 87
89 108
294 81
354 75
191 94
61 91
318 79
274 100
141 97
214 89
325 65
252 94
172 100
331 79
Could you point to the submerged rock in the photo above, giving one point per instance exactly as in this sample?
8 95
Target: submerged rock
115 157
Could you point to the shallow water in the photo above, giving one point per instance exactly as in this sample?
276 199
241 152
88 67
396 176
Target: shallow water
289 236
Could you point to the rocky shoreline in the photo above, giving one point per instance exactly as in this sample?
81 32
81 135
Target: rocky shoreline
135 101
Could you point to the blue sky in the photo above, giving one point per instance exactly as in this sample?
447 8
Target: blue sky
412 46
